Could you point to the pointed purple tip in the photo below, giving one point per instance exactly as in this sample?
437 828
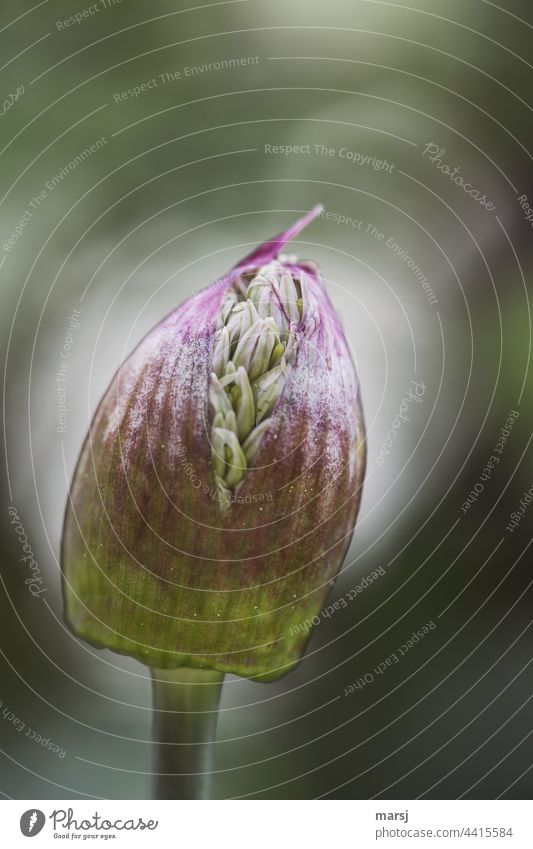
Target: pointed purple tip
270 249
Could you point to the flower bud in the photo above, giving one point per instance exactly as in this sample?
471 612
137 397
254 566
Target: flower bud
217 490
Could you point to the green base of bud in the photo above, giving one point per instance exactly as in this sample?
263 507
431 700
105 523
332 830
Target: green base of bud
275 642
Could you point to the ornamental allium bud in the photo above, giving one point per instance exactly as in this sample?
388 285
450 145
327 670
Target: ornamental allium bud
217 491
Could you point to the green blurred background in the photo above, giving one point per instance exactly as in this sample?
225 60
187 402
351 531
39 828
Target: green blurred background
179 188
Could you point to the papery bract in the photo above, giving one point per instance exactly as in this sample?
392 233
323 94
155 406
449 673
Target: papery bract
154 564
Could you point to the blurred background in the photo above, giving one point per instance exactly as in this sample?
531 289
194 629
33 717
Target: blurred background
139 162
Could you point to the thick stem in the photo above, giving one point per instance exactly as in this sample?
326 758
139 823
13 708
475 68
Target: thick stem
185 712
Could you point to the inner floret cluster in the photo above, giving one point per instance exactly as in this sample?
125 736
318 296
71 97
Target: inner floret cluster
255 347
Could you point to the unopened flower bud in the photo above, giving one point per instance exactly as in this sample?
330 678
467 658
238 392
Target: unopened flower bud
217 491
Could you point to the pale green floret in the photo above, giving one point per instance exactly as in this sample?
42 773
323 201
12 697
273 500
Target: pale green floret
242 317
255 344
228 456
265 305
219 399
257 288
255 347
289 297
222 352
229 302
243 401
251 444
230 422
267 390
277 353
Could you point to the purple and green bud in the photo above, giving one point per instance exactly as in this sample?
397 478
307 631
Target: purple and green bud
217 491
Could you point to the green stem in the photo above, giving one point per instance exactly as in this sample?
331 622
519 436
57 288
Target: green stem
185 712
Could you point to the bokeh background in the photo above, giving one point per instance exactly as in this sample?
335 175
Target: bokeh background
179 188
